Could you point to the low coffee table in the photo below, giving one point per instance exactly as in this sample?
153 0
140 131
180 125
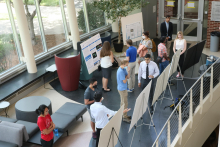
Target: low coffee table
5 105
26 107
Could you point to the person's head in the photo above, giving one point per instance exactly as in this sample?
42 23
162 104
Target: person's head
145 34
129 42
179 35
124 63
162 39
147 58
42 110
97 96
93 82
106 49
168 18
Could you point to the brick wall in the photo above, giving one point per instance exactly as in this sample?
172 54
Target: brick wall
212 25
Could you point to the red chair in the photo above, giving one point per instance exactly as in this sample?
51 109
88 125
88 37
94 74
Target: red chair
68 70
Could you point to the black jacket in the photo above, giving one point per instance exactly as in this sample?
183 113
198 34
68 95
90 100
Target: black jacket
163 30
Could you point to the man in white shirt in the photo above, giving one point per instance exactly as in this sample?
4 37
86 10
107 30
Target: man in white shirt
100 113
148 70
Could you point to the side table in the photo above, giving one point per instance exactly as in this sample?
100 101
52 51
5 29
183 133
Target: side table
5 106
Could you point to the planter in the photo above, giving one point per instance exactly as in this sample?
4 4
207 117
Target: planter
118 47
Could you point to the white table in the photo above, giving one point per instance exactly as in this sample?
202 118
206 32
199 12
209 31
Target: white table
5 105
52 68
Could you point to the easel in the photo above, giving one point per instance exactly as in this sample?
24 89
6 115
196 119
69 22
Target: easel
112 135
142 121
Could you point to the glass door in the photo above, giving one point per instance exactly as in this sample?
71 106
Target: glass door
186 16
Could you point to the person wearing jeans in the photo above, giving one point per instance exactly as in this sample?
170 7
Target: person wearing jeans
122 77
162 52
131 55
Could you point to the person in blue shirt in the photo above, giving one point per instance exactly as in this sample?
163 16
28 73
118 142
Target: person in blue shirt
122 77
131 55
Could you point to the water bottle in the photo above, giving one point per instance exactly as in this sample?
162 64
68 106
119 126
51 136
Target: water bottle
56 132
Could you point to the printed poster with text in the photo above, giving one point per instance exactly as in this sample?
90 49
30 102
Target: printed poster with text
91 49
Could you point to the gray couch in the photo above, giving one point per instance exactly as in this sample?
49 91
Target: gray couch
63 118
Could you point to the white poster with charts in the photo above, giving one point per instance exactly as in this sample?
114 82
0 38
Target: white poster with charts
132 27
91 49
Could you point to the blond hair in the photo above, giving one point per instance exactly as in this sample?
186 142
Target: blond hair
123 62
179 32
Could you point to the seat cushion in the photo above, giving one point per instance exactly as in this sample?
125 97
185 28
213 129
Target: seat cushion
72 109
32 128
7 119
62 121
7 144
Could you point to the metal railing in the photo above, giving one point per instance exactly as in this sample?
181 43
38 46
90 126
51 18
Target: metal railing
185 109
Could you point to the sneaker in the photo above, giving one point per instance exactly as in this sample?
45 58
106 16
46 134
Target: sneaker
132 89
94 136
129 90
127 120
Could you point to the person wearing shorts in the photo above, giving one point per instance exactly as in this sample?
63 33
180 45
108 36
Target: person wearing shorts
88 100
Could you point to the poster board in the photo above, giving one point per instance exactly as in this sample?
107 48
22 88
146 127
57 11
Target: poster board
132 27
91 49
140 105
166 77
175 61
215 11
159 87
108 137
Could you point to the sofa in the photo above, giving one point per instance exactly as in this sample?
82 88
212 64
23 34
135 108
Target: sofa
63 118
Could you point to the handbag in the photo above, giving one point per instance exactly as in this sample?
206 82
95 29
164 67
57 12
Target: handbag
159 59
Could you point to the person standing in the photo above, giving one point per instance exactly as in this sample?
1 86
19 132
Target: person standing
131 55
88 100
148 45
180 44
45 125
122 77
107 59
148 70
166 29
100 114
162 52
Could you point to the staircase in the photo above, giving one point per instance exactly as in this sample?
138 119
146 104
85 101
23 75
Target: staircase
196 115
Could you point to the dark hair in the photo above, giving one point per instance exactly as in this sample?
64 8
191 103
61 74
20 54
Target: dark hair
129 42
162 39
146 33
168 16
92 80
41 109
147 56
106 49
97 96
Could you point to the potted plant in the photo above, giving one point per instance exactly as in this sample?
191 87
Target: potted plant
115 10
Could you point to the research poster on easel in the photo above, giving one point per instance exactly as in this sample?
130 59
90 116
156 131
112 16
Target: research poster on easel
132 27
91 49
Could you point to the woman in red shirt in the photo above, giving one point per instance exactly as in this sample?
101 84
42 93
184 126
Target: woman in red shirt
46 126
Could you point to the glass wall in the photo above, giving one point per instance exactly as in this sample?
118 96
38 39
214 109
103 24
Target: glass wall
8 51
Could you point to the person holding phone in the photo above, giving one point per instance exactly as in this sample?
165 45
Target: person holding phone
46 126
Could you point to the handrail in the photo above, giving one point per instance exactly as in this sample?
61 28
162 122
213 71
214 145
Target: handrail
182 100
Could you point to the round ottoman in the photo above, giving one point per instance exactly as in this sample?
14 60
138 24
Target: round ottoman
25 108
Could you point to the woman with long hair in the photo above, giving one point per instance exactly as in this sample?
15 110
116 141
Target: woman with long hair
107 59
147 46
180 44
46 126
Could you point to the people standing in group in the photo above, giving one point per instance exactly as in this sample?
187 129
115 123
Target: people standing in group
180 44
146 44
122 76
100 114
88 100
45 125
166 29
107 59
131 55
148 70
162 52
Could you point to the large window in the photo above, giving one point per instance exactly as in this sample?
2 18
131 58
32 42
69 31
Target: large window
52 22
8 53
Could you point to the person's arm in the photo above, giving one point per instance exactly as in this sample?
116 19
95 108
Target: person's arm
171 29
112 57
125 79
86 99
174 47
165 56
127 55
184 47
161 29
156 71
108 111
139 75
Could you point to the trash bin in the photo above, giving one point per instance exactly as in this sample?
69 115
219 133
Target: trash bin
214 44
